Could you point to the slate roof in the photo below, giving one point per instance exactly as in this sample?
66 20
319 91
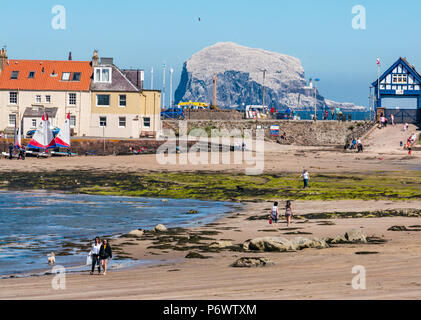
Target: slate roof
38 112
119 82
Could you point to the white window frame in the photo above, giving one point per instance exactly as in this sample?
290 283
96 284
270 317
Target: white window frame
103 106
12 116
119 100
400 79
69 99
48 98
72 121
32 123
119 121
38 98
99 78
15 98
68 74
101 126
147 126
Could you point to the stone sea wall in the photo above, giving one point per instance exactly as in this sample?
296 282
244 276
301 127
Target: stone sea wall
306 133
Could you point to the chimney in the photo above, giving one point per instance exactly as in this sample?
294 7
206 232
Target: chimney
70 56
3 59
95 59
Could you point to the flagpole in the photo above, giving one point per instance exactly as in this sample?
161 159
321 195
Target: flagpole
378 81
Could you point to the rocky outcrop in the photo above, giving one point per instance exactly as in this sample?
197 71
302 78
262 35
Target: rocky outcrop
252 263
355 236
160 228
240 78
221 244
280 244
136 233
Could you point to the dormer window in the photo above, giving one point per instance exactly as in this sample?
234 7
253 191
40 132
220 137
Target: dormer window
15 75
102 75
76 76
65 76
31 74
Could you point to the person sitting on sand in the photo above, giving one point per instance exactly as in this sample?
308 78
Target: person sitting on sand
94 253
288 212
105 254
274 214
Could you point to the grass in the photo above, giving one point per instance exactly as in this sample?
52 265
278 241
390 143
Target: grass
223 186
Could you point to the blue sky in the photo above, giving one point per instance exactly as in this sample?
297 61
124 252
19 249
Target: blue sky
144 33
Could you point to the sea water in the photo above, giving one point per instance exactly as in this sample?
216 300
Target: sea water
33 224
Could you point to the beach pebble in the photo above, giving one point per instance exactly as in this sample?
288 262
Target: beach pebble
136 233
252 263
221 244
355 235
160 228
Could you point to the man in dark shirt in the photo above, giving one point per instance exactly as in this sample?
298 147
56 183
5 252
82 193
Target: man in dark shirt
10 151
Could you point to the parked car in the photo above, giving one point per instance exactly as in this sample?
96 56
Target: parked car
30 133
173 113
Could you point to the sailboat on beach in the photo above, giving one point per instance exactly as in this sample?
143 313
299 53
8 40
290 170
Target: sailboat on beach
62 140
43 138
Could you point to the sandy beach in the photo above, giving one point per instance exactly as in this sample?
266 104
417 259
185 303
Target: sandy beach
392 273
392 265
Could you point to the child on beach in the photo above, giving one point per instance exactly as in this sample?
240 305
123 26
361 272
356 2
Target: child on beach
288 212
274 213
306 178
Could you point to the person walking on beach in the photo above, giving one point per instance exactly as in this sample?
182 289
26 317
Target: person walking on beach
274 214
409 147
94 253
288 212
392 118
306 178
105 254
22 153
10 151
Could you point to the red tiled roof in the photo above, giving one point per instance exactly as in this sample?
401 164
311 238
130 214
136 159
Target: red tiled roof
42 79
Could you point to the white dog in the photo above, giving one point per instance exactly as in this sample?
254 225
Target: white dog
51 258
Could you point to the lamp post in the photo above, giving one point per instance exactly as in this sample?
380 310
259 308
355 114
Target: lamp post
264 76
315 97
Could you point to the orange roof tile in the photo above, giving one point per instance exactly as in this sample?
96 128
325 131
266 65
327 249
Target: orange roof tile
42 79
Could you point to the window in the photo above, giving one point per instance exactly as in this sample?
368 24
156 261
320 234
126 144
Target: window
76 76
72 99
34 123
102 75
103 100
146 122
122 102
15 75
121 122
38 99
48 98
73 121
65 76
13 97
102 122
12 120
31 74
400 78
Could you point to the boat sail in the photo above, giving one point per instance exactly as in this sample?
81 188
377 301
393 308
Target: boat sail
43 137
62 139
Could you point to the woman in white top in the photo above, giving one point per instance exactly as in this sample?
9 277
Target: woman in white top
306 177
95 255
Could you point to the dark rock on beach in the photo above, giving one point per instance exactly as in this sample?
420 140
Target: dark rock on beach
252 263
